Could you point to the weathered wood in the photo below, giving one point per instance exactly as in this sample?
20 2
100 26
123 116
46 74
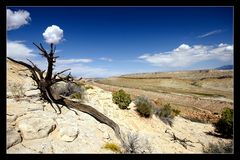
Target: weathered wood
183 142
44 85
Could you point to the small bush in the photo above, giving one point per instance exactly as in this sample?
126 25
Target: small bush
225 124
144 106
219 147
176 112
121 98
133 144
166 111
166 114
113 147
77 95
88 87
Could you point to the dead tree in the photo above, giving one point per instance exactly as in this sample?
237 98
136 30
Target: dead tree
44 83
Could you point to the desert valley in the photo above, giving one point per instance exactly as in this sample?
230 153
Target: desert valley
34 127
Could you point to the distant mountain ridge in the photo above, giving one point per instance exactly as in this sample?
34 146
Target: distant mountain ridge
226 67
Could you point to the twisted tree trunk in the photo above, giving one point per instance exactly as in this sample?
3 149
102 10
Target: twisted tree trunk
44 85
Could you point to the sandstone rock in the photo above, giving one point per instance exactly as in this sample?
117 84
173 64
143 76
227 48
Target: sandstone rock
34 128
35 107
14 108
13 137
11 118
42 145
67 132
31 93
19 148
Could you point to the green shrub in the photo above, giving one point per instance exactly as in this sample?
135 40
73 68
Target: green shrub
176 112
121 98
88 87
219 147
225 124
113 147
76 95
144 106
166 111
166 114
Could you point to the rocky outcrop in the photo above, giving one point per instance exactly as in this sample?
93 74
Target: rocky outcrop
34 128
67 129
13 137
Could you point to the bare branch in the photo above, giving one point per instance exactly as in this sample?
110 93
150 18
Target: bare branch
44 52
183 142
60 73
43 48
40 73
34 75
54 50
51 52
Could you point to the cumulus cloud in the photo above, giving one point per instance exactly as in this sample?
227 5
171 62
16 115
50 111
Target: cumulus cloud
106 59
82 70
210 33
53 34
186 55
16 49
16 19
70 61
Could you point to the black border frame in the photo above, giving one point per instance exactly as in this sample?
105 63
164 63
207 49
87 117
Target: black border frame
19 3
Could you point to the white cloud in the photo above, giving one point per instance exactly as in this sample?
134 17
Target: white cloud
16 49
53 34
186 55
17 19
70 61
80 70
106 59
210 33
77 69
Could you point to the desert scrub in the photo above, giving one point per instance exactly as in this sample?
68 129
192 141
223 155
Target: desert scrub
219 147
76 95
133 144
144 106
16 90
88 87
166 111
121 98
113 147
81 83
176 112
224 126
166 114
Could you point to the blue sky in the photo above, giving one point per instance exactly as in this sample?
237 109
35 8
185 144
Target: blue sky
121 40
